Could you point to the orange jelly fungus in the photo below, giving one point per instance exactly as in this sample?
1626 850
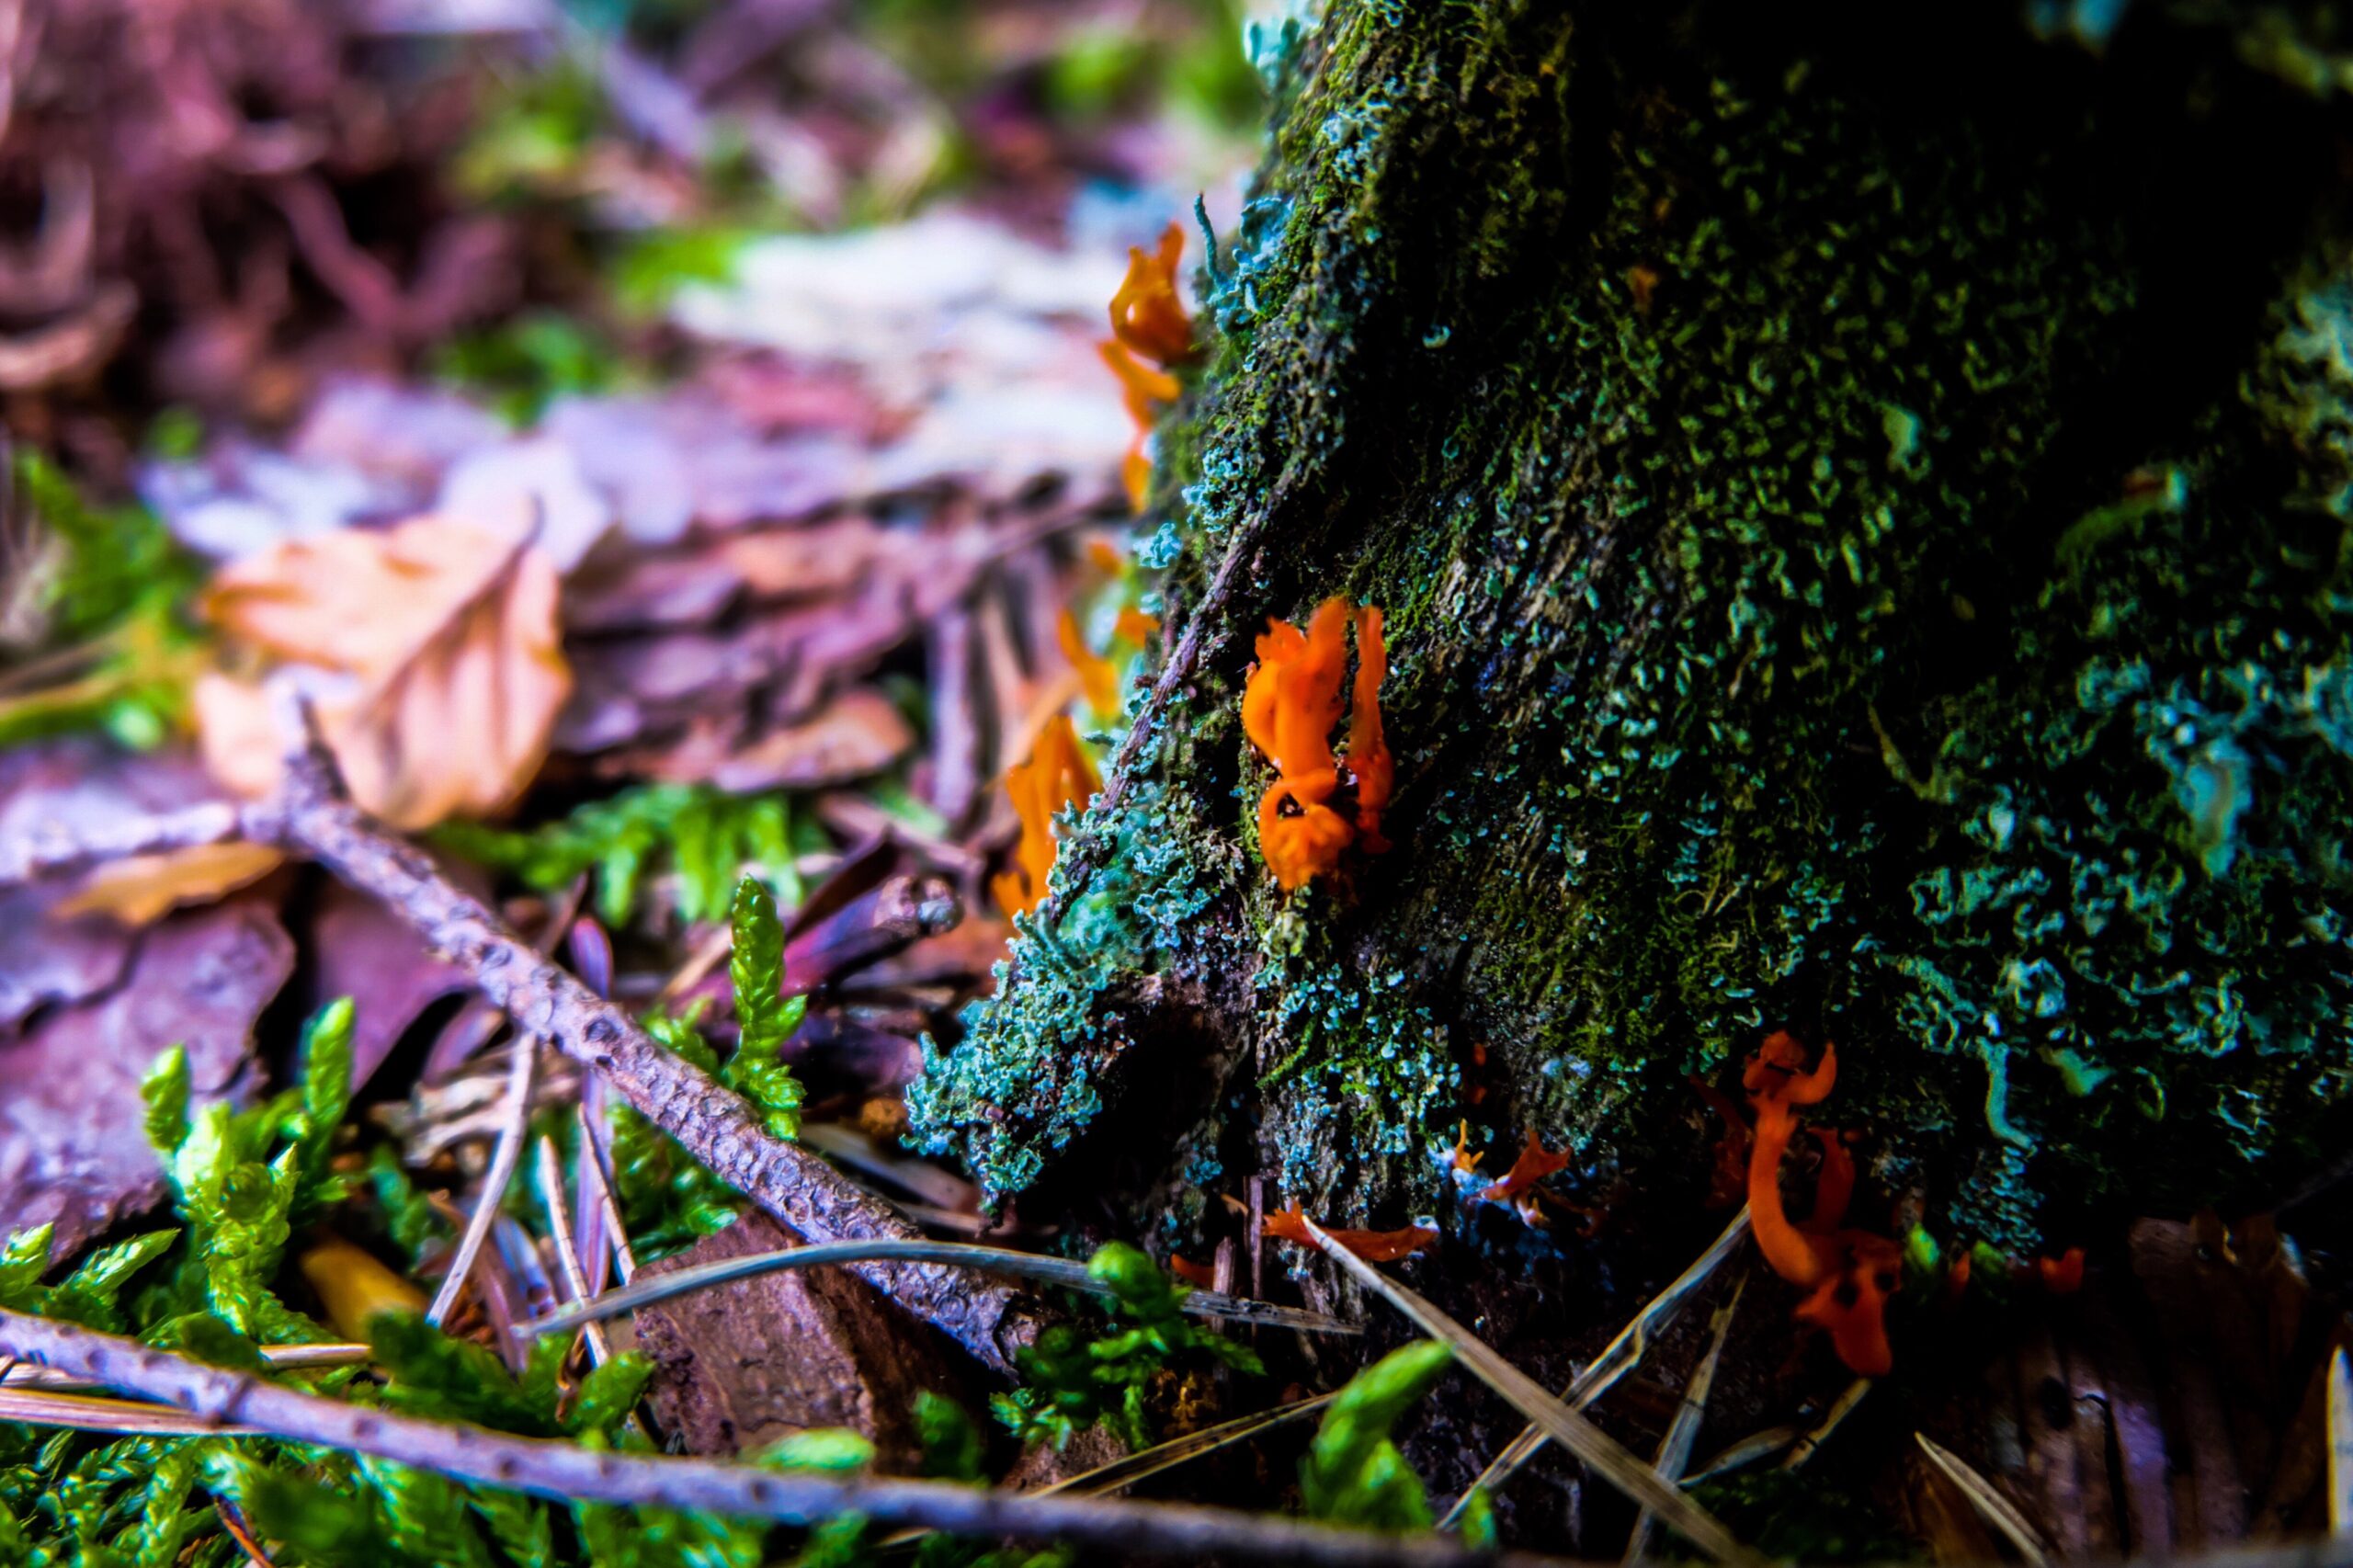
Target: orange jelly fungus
1851 1273
1289 704
1149 328
1374 1246
1146 314
1098 681
1191 1273
2062 1276
1727 1178
1534 1163
1058 773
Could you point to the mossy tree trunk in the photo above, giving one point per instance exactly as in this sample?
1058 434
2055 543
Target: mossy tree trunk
1860 497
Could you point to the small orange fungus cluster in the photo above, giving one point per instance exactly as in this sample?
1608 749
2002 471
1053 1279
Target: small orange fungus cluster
1289 707
1151 333
1374 1246
1518 1186
2063 1275
1057 773
1850 1273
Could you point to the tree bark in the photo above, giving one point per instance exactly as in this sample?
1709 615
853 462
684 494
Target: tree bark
1861 501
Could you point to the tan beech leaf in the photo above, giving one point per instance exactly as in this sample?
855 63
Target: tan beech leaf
143 888
446 633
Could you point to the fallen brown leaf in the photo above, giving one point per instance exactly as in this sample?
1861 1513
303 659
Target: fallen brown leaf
445 636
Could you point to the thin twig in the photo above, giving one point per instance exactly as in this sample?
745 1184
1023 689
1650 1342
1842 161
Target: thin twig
1841 1409
504 1157
571 1473
311 814
50 849
235 1523
1683 1431
1621 1356
1061 1272
15 1374
1806 1445
1602 1453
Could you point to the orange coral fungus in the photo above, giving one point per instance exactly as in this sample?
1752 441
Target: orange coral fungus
1144 392
1727 1178
1146 314
1098 681
1834 1187
1289 707
1289 1224
1058 773
1851 1273
1534 1163
1191 1273
1148 322
1136 626
2062 1276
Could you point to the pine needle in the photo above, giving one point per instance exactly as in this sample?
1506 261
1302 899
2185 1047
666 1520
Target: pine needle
2340 1446
1603 1454
1992 1506
1675 1448
1621 1356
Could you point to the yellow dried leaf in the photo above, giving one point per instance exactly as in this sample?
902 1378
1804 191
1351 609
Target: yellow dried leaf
143 888
445 634
354 1287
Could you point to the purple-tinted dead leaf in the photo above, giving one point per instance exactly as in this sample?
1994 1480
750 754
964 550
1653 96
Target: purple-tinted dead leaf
837 1055
405 434
881 921
239 499
71 1147
45 959
364 952
540 478
859 732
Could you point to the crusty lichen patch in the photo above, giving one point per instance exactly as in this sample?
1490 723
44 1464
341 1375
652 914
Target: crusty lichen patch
1820 596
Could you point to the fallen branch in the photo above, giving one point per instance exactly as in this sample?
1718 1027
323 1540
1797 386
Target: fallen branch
222 1399
311 814
52 849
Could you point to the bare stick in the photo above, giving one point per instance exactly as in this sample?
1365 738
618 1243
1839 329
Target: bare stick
504 1157
1803 1448
311 814
1618 1357
570 1473
47 851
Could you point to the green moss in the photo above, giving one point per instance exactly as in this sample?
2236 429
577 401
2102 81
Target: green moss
1814 603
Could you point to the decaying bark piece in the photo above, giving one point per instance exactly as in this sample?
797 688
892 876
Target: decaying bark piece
741 1365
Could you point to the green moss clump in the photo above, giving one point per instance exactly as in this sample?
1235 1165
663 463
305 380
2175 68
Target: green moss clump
1846 569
